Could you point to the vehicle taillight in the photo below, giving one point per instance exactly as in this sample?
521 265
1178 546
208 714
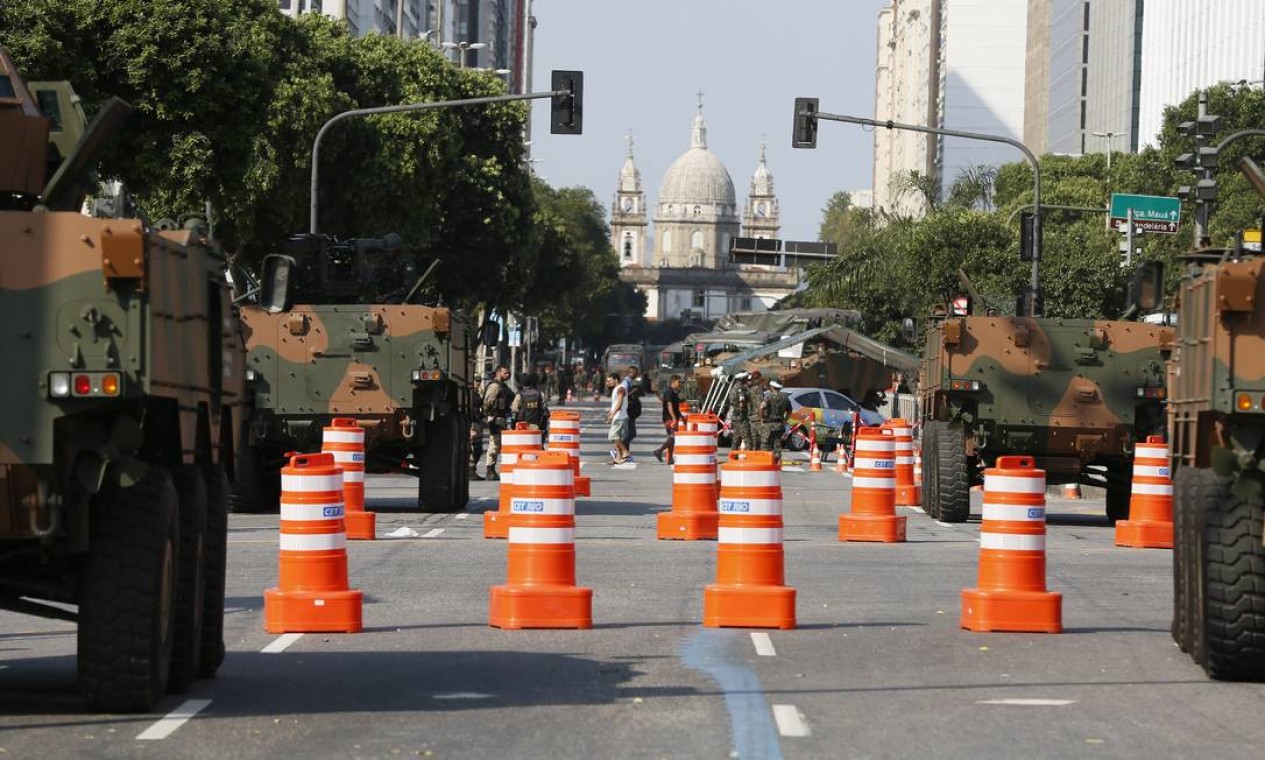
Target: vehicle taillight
59 384
1152 392
110 385
965 385
83 385
1243 401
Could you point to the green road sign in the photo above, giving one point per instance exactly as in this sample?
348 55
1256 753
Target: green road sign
1151 213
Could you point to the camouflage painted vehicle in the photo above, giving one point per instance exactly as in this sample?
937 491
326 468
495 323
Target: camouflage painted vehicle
1076 394
122 398
1217 433
345 342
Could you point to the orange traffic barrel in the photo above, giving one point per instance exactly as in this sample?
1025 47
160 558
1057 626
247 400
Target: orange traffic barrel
918 474
345 439
1150 523
906 489
564 435
1012 595
693 516
750 589
312 593
1071 490
685 408
707 422
814 453
541 590
520 440
873 515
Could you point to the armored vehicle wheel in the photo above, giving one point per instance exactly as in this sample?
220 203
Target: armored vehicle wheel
257 487
931 475
1181 572
186 649
216 548
1119 490
463 457
953 483
1233 563
127 607
438 488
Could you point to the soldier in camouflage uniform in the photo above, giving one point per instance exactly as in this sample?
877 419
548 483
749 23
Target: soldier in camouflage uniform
740 413
497 398
477 427
773 412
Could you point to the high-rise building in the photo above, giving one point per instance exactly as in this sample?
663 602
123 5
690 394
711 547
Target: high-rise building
1036 83
952 64
504 28
1190 44
369 16
1067 69
1114 76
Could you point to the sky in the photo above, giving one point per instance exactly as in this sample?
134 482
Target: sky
645 60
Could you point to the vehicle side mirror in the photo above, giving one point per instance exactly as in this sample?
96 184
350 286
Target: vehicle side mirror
274 290
491 335
1146 291
909 331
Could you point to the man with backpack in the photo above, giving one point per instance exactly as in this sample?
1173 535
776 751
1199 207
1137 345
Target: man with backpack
634 390
529 405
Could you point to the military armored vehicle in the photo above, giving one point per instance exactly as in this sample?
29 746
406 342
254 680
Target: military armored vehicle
344 341
1216 419
120 409
1074 393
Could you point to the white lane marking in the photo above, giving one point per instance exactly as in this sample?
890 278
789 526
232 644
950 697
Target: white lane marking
463 695
788 721
919 510
282 643
945 524
763 644
463 515
1029 702
432 533
167 725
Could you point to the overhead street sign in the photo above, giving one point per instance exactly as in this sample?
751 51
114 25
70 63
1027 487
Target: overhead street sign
1151 213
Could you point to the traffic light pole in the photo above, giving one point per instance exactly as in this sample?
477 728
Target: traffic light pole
316 144
1033 303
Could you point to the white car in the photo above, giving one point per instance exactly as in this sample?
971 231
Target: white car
830 408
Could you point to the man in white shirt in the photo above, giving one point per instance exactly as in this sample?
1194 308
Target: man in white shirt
617 416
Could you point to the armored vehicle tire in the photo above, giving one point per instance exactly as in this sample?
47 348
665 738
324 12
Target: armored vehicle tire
216 548
1119 491
953 483
186 648
463 457
127 605
438 487
256 488
1181 572
1234 585
930 484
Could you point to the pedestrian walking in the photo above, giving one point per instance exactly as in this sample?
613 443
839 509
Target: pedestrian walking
497 398
671 398
634 390
617 418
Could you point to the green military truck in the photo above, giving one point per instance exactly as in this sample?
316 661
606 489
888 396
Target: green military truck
342 341
1074 393
1217 432
120 408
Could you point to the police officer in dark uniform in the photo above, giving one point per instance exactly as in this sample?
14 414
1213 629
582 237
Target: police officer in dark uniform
529 405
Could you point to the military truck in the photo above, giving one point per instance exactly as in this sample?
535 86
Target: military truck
121 403
1074 393
1217 432
344 341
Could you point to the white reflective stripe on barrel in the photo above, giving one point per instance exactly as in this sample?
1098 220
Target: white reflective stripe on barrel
749 535
529 478
509 457
693 478
343 436
866 463
1147 489
541 535
563 438
905 460
694 458
1014 512
757 478
564 424
347 457
1142 470
1012 542
750 506
888 484
867 444
686 440
507 476
521 438
353 476
526 505
1010 484
311 483
312 512
313 542
1150 451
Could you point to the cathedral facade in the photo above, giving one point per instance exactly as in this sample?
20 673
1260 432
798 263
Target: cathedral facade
682 263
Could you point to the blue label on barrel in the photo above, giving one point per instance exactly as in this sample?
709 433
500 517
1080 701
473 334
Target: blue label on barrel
885 464
1164 472
333 511
1035 513
734 506
357 457
527 506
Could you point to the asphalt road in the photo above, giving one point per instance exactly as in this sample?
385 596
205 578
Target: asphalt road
878 666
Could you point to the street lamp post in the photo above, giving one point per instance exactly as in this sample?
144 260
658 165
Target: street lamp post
1111 141
463 47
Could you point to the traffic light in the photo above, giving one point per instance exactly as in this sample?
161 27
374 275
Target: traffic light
566 111
1026 236
804 134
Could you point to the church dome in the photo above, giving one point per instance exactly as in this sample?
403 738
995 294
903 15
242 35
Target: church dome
697 176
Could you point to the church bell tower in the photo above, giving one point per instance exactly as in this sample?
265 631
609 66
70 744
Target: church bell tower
628 215
761 219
